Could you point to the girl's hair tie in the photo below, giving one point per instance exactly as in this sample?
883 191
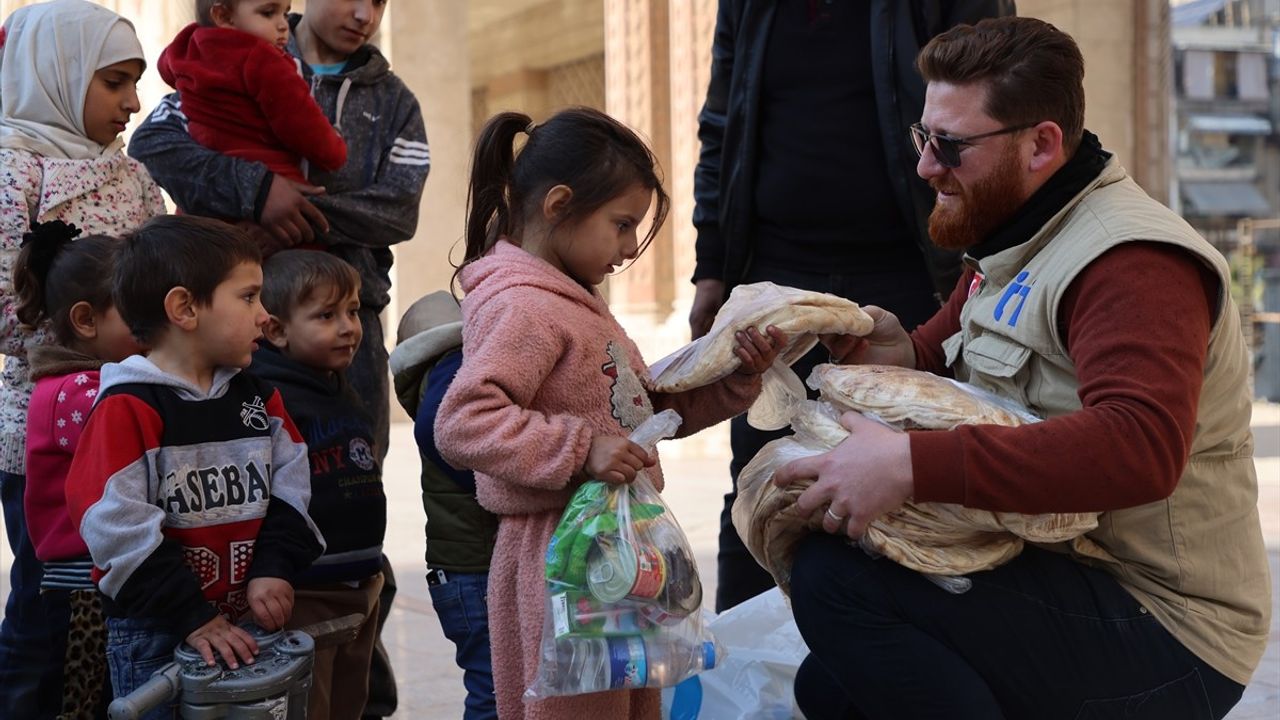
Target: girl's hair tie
47 240
54 233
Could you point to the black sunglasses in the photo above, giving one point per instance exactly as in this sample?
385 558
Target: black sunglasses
947 148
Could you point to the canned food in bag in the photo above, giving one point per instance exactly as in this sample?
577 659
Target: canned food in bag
618 569
576 613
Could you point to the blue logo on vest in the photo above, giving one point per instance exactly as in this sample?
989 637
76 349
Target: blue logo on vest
1021 291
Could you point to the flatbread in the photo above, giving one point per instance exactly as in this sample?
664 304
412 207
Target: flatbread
800 314
911 398
934 538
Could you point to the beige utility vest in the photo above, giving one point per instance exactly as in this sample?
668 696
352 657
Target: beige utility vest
1195 560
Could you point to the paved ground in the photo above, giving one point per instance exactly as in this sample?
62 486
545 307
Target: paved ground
431 685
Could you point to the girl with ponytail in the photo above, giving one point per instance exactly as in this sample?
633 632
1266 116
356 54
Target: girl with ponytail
550 385
66 286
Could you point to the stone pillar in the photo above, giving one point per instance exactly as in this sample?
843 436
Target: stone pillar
1153 99
692 29
1127 76
637 92
427 44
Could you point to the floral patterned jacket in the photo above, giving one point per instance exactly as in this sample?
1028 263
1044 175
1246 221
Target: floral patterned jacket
112 195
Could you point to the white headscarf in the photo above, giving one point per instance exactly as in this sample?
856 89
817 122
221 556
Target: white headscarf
50 53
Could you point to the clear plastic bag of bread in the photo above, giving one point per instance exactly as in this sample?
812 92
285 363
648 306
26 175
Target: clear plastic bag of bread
623 595
802 315
944 541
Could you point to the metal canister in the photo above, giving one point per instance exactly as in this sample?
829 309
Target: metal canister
618 569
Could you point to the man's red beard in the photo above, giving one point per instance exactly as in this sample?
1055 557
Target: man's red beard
982 207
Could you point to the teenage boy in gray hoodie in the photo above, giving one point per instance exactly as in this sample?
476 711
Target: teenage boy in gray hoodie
357 212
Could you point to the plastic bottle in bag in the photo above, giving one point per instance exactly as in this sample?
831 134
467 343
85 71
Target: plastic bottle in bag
615 663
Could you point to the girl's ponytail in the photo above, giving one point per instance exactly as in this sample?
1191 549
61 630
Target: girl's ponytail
489 202
53 273
40 247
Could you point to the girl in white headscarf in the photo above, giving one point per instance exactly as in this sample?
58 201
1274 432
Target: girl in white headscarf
68 76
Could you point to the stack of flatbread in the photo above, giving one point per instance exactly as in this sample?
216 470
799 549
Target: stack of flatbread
933 538
800 314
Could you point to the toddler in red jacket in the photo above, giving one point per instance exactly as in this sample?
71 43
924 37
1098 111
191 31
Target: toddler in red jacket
242 92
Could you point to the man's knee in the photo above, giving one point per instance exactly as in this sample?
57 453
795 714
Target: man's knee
819 562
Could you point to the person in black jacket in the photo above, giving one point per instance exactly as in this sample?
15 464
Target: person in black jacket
806 177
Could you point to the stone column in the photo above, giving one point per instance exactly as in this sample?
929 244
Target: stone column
427 44
637 92
692 28
1127 76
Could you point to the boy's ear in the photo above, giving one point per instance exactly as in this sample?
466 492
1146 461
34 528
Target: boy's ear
220 13
82 321
555 202
275 332
180 308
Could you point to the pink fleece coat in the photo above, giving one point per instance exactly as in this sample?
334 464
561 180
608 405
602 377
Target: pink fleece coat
547 367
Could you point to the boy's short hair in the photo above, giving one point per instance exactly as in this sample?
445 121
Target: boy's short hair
292 277
204 10
172 251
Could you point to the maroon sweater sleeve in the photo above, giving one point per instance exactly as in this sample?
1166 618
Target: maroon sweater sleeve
928 338
1137 326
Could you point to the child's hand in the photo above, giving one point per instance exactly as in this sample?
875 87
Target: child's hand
757 352
615 460
230 641
271 600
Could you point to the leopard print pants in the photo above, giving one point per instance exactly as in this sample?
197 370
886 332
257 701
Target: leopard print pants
84 669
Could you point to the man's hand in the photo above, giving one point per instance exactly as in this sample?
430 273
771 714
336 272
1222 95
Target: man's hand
887 344
288 215
269 244
707 299
230 642
862 478
615 460
271 600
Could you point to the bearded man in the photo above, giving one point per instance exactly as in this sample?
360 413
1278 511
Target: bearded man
1107 315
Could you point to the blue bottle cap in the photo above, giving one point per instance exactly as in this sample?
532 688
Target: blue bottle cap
708 655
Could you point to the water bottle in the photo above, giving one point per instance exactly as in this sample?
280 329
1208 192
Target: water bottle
592 664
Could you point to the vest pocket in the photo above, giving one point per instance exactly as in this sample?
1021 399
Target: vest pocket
999 365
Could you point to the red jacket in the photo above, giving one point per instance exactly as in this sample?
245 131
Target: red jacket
244 98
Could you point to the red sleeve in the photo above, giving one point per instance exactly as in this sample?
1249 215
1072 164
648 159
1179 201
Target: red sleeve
946 322
1137 328
296 120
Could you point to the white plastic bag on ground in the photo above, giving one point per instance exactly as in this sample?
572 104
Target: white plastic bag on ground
757 678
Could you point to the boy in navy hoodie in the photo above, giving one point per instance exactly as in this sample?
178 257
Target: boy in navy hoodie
312 335
357 212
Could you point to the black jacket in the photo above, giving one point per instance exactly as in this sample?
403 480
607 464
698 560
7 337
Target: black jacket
348 502
728 124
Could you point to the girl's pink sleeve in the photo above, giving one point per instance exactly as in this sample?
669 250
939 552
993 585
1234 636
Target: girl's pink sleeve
706 406
486 424
71 409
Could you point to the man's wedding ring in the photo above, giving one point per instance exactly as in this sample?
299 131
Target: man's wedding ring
833 516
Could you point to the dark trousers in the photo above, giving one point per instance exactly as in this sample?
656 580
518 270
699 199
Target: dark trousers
369 378
383 695
1042 637
908 294
33 636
